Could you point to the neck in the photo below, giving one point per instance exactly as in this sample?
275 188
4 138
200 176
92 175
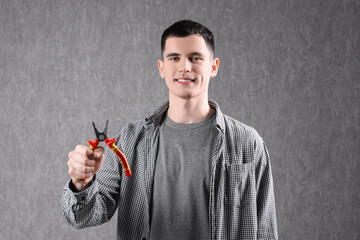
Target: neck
188 111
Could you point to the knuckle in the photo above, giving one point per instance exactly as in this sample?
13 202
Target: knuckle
86 161
78 148
91 163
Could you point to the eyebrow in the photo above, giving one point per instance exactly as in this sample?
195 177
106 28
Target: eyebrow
191 54
197 54
172 55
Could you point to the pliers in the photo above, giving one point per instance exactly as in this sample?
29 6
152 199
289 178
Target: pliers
100 137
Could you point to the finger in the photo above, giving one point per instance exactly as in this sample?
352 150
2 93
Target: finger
98 152
85 150
81 158
80 167
75 174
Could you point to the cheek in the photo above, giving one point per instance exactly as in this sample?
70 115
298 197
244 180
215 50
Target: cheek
168 75
204 71
168 71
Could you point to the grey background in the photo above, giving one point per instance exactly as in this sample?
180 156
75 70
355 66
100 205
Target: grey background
288 68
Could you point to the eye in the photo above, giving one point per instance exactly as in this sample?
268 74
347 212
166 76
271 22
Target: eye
196 59
174 59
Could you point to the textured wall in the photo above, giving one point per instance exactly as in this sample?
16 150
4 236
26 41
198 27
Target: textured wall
291 69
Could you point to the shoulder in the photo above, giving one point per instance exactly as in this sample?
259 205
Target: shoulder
131 129
237 129
243 139
138 128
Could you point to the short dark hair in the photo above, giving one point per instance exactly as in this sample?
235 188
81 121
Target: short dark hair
186 28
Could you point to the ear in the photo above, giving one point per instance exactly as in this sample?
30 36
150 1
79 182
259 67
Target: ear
161 68
214 67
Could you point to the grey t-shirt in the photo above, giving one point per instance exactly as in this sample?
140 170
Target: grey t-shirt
180 203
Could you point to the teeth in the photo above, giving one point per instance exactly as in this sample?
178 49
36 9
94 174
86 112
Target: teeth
183 80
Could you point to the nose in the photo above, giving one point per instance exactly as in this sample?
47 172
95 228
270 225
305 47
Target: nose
185 66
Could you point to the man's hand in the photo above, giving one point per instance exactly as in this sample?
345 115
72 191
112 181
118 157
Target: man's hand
83 164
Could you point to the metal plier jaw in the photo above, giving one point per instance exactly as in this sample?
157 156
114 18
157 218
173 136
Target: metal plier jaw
100 137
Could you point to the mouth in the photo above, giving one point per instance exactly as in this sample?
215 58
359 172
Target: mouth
185 80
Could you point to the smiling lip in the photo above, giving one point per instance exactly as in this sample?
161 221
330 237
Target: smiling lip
185 81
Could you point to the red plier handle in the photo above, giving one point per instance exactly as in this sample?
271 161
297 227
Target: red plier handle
93 144
120 154
116 150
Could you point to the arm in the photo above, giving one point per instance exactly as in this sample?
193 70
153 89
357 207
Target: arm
97 203
266 213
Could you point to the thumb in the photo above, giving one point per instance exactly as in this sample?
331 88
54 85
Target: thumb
98 152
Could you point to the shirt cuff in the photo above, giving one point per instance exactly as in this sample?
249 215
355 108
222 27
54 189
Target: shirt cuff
85 195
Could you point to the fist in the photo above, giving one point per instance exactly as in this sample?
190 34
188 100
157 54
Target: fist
83 164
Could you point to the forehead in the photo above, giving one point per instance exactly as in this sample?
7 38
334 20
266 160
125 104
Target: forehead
184 45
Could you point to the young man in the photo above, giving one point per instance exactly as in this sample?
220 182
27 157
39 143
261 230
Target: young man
197 173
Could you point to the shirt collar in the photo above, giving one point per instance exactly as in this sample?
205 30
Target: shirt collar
219 116
158 115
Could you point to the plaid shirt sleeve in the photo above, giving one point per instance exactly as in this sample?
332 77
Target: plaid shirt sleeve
266 216
97 203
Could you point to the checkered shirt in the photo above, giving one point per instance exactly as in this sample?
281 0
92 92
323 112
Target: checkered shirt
241 204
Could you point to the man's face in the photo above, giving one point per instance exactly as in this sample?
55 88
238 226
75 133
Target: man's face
187 66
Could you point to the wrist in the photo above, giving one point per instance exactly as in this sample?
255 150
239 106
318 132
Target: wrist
79 186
